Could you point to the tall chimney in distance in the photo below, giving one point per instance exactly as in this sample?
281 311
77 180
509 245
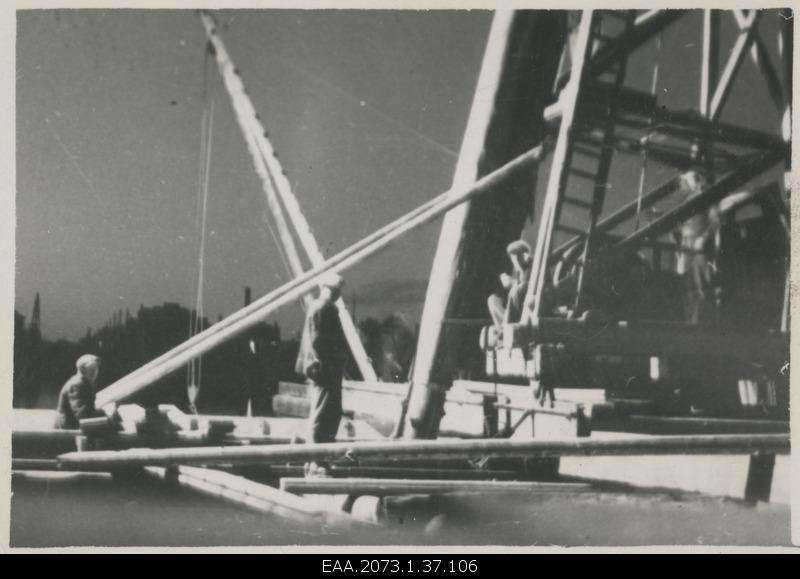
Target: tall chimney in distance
247 295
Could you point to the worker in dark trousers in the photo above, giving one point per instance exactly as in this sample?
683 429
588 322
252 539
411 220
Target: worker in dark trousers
323 355
76 399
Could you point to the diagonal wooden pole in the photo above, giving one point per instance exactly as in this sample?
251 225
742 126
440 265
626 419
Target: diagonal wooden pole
278 187
740 49
762 61
630 445
253 314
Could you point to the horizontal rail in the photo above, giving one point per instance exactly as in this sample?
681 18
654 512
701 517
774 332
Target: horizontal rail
384 487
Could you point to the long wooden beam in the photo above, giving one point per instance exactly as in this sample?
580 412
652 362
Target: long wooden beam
428 449
245 114
253 314
385 487
382 467
255 135
424 399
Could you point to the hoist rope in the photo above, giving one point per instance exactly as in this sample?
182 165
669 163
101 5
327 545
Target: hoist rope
204 176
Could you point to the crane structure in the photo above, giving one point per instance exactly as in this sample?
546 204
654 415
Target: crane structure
603 307
669 304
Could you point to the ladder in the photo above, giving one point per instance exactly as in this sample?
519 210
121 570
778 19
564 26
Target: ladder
586 146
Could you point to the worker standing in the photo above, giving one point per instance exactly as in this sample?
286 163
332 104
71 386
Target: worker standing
76 399
322 359
696 238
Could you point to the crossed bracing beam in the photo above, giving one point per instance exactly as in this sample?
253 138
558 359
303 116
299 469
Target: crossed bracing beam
749 41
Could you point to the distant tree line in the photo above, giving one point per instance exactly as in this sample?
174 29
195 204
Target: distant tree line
245 370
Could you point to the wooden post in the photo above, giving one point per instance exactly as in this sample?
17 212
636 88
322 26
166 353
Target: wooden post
759 477
268 166
256 312
425 397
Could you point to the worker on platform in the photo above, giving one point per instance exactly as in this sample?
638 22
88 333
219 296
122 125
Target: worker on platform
322 358
508 308
697 238
76 399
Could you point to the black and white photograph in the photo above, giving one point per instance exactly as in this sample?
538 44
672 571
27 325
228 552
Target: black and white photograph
501 276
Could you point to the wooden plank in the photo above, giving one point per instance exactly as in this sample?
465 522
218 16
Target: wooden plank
429 449
384 487
378 471
252 495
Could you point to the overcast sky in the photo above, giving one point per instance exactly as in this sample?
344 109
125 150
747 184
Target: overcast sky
366 110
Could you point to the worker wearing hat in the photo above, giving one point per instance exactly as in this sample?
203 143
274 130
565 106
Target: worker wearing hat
506 309
76 399
322 358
